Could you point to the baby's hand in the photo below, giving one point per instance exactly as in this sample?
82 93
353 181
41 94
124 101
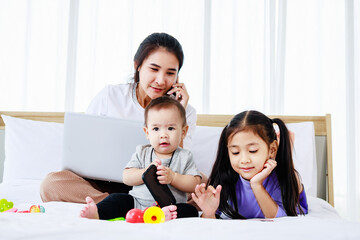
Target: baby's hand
269 166
207 199
157 162
165 174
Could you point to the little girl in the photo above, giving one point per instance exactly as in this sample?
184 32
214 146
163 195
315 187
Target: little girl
254 172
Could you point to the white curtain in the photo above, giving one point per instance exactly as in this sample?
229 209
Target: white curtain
33 53
322 76
296 57
352 69
110 31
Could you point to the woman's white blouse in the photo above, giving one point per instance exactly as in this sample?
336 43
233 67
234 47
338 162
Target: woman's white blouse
120 101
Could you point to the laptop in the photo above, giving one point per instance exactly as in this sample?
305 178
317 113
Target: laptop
98 147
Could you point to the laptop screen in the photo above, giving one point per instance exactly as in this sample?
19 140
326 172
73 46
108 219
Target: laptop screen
98 147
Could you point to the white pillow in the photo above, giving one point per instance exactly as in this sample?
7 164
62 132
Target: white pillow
205 143
204 147
32 148
304 154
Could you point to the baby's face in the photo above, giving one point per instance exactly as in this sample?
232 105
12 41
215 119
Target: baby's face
164 130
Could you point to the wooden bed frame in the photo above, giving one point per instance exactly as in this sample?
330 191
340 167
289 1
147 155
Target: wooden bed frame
322 126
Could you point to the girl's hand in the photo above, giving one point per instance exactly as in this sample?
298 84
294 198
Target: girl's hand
269 165
181 93
165 174
207 199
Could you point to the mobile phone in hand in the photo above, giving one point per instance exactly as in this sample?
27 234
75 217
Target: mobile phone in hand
160 192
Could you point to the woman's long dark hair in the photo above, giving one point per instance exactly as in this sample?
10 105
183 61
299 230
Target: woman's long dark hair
223 173
153 42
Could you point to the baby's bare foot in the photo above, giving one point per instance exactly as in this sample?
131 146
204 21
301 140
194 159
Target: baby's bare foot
170 212
90 210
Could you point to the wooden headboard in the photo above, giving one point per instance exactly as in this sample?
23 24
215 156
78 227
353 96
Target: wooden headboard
322 126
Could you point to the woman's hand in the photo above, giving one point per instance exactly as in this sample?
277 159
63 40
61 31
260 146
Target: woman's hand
291 137
181 93
269 166
208 199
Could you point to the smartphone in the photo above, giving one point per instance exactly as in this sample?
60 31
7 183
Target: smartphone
160 192
173 95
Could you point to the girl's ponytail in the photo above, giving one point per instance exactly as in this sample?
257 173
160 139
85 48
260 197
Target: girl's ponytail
287 176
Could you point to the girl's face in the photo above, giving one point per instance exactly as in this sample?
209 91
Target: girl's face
248 153
157 74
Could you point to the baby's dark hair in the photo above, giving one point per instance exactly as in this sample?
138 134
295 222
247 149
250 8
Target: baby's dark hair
223 173
165 102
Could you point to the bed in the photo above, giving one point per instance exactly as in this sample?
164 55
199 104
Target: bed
33 148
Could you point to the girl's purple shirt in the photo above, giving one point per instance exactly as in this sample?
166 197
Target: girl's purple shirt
247 204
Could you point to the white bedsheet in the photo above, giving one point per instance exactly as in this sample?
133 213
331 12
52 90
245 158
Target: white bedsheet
61 221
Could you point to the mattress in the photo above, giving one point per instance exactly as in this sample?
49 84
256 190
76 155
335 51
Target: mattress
61 221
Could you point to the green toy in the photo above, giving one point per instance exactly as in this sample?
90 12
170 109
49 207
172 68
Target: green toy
117 219
5 205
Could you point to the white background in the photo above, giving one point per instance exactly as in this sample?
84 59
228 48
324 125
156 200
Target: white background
295 57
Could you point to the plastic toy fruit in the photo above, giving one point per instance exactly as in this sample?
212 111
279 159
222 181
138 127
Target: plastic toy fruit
37 209
149 215
134 216
154 215
5 205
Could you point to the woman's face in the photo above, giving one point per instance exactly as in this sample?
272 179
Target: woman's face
157 74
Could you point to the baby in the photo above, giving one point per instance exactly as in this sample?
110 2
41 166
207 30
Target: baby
165 127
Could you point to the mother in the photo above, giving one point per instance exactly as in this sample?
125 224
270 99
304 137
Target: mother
157 63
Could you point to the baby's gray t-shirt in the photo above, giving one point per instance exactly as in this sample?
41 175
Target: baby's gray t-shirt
182 162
